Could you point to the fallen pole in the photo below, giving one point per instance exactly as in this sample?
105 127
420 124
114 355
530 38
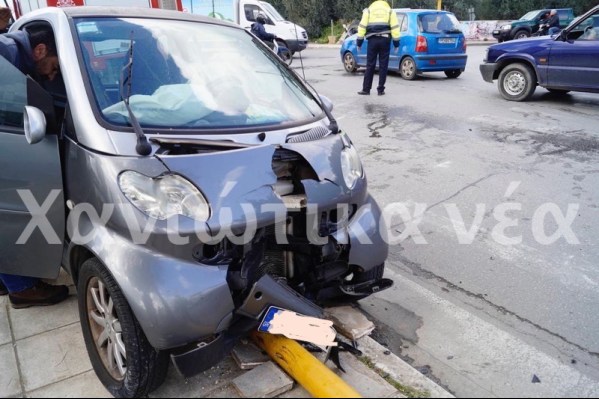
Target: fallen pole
303 367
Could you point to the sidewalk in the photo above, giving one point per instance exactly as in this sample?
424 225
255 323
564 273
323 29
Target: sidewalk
42 354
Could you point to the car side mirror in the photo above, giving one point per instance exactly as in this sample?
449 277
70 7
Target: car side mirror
34 122
327 102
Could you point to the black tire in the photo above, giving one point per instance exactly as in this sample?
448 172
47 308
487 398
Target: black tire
522 34
517 82
453 73
286 56
349 62
558 92
137 368
408 69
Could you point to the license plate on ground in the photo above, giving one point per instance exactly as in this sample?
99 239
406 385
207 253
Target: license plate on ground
447 40
299 327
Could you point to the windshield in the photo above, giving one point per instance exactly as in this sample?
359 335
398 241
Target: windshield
530 16
272 11
189 75
439 23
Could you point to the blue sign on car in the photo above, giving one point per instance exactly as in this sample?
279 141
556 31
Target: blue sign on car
431 41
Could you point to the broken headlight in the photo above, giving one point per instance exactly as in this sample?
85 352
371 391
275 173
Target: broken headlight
351 165
164 196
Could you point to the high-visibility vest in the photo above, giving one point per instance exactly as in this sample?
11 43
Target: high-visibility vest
379 18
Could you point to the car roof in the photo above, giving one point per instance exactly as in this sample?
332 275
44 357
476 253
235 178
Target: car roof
126 12
420 10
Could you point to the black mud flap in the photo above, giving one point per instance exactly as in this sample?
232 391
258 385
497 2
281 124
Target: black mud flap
366 288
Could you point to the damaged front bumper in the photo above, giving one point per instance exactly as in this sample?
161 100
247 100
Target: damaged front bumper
312 241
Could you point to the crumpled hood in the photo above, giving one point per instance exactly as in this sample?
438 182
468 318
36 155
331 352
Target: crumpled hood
241 178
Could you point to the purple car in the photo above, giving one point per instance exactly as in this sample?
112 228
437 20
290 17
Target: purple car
566 62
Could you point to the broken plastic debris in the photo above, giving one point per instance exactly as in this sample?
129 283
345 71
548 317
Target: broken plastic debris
535 380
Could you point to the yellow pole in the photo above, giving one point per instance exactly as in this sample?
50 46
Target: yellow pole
303 367
439 4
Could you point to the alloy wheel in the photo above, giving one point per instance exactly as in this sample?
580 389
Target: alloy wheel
106 329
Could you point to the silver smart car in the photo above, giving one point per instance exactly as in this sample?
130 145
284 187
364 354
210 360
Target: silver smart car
187 180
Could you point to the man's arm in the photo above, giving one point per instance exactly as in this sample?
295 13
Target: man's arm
362 27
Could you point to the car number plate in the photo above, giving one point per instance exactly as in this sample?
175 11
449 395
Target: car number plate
447 40
495 32
299 327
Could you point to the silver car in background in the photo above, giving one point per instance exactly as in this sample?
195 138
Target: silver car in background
187 180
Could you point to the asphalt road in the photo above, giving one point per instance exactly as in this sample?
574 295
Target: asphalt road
497 283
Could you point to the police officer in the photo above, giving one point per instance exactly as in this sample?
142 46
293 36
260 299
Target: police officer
379 24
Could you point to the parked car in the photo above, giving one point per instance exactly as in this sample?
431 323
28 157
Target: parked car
431 41
567 62
189 181
529 24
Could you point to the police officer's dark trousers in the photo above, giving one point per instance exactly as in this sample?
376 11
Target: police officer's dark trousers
379 47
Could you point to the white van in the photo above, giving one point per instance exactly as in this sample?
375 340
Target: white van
244 12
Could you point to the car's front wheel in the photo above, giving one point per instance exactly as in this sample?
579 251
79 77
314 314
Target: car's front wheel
523 34
453 73
119 351
408 69
349 62
517 82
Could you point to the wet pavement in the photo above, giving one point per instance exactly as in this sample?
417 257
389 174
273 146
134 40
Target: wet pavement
500 205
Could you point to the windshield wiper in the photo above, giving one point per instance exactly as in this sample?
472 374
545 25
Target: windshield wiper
143 147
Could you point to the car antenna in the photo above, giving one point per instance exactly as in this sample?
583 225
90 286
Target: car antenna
143 147
333 125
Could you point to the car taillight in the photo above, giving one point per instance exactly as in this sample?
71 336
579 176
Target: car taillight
465 46
421 45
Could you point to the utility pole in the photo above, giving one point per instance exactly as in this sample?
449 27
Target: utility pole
439 4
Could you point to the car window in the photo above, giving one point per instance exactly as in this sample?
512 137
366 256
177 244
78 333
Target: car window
530 16
251 11
591 29
188 75
439 23
13 96
402 19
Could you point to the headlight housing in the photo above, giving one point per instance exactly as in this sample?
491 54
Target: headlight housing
351 165
506 27
164 196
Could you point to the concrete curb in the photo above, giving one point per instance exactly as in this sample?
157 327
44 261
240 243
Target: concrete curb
382 359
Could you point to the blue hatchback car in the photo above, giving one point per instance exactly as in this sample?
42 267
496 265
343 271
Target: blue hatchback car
431 41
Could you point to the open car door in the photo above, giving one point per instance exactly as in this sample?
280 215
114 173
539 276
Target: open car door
32 214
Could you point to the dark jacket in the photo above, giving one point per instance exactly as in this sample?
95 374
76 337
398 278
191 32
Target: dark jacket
553 21
15 47
259 30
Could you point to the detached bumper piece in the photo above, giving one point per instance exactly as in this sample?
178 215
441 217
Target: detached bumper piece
367 288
